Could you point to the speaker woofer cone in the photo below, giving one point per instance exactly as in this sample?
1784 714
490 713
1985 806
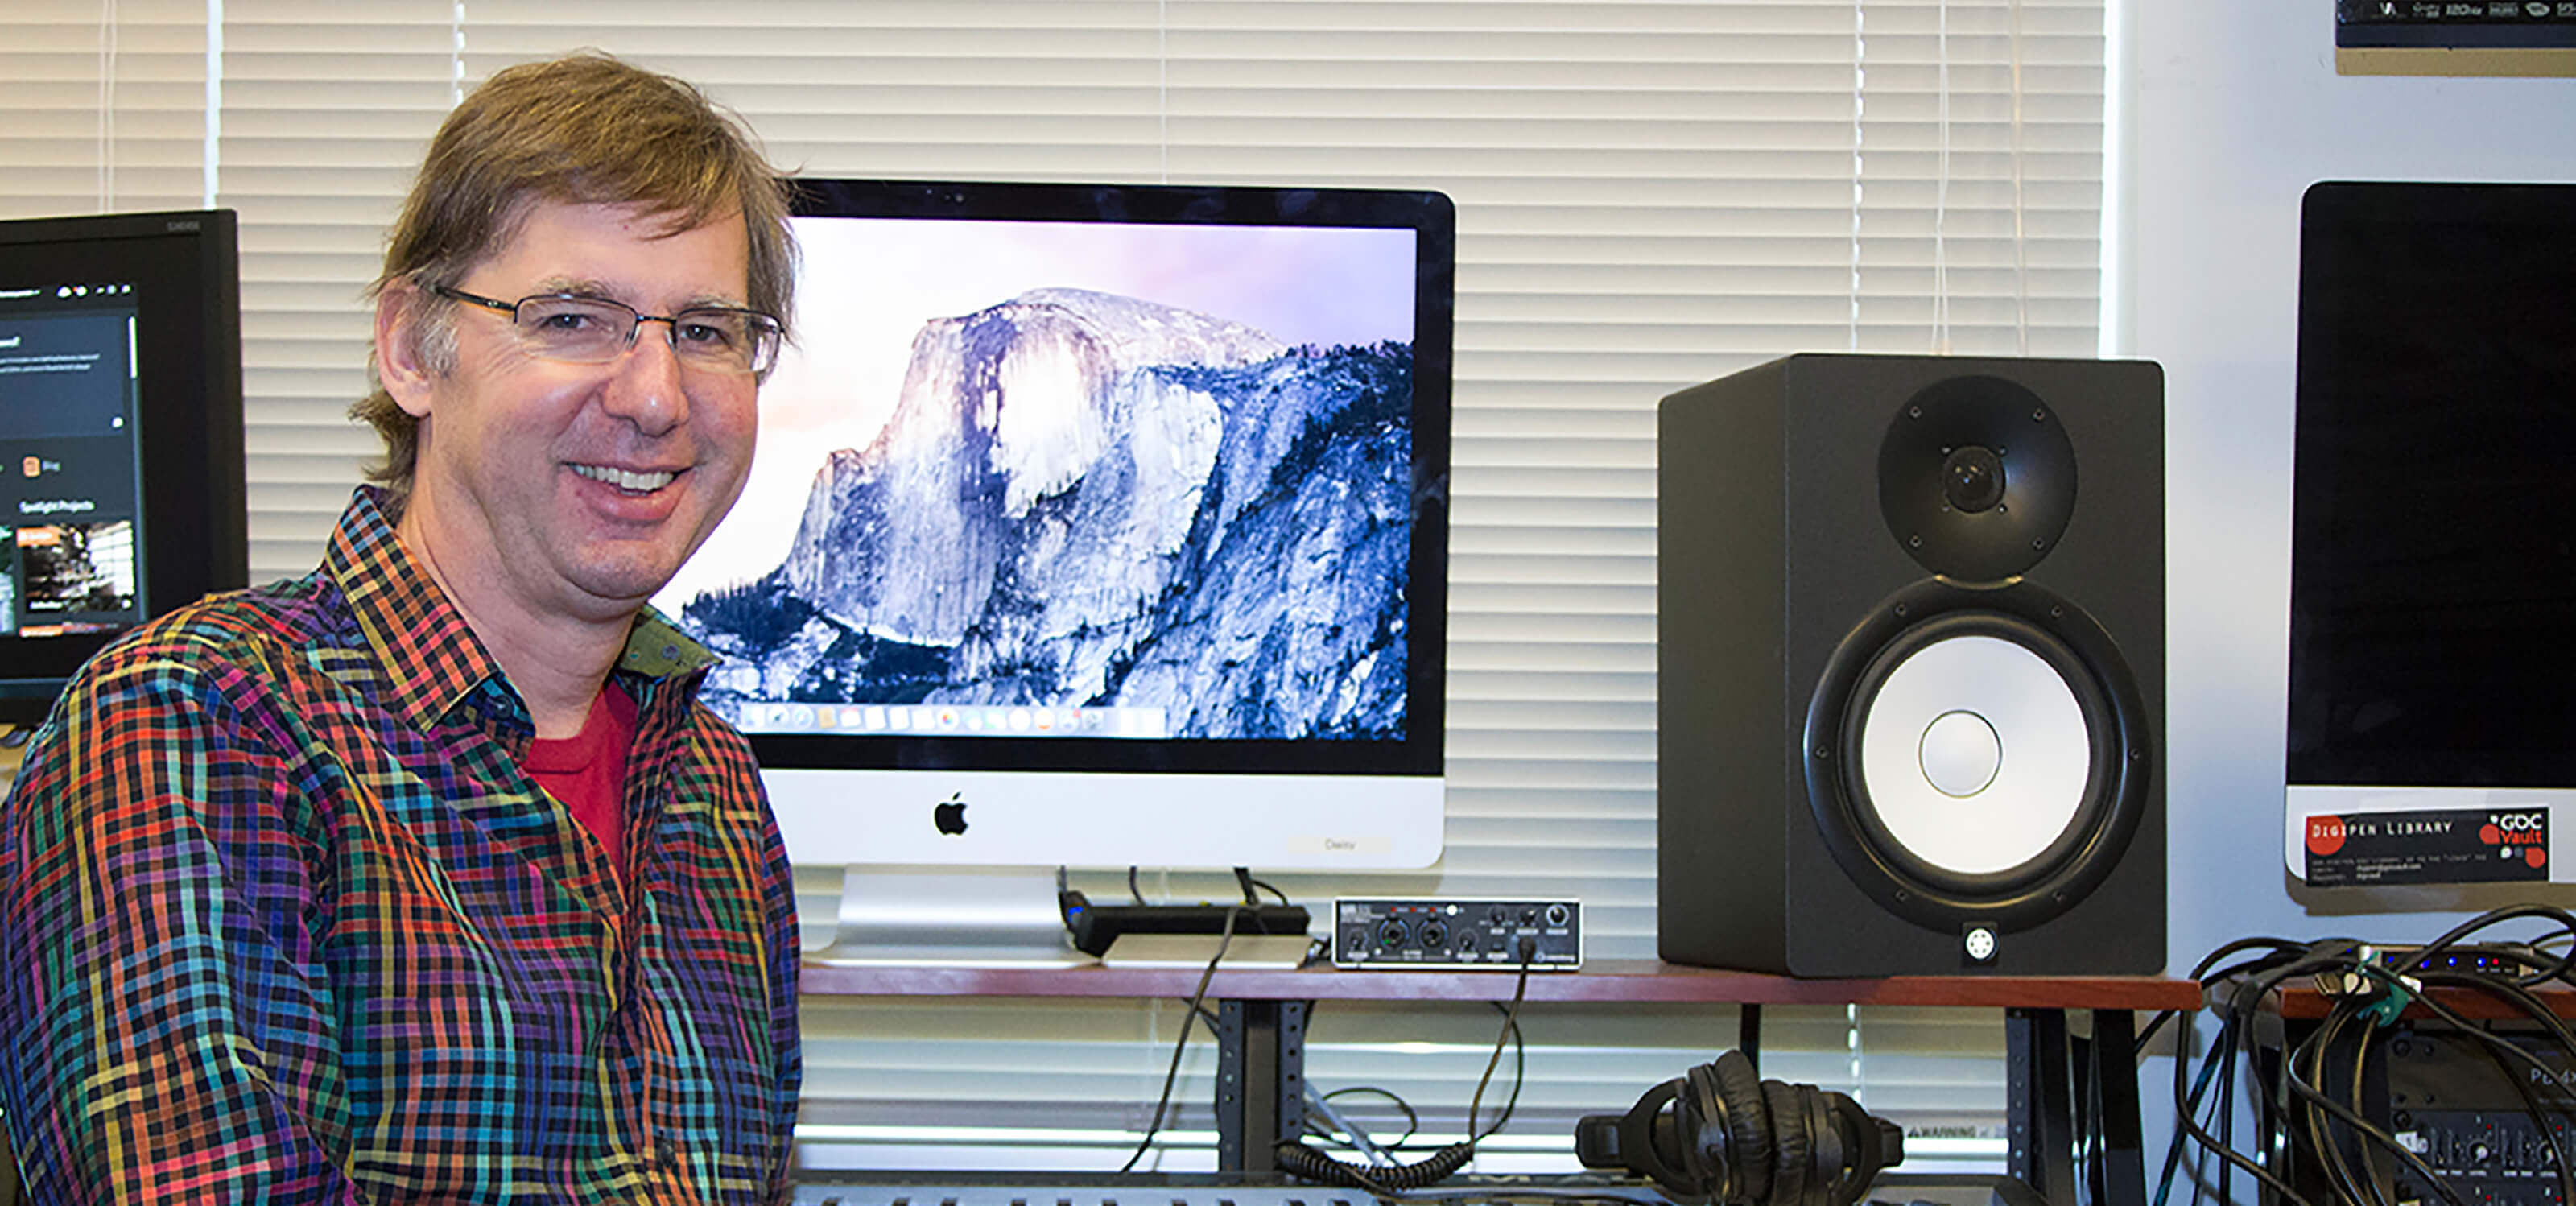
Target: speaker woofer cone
1895 781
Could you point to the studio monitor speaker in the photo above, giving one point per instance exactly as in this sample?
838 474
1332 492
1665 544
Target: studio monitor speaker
1911 676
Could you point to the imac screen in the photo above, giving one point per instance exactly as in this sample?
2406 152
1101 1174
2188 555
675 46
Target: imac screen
1092 480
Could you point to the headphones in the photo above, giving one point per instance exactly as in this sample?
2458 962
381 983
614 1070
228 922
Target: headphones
1722 1132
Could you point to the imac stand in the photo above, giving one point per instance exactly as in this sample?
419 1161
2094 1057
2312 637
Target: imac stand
999 917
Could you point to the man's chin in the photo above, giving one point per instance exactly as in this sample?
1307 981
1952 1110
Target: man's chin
618 587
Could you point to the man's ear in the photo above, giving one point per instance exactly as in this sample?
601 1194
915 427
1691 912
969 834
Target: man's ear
400 367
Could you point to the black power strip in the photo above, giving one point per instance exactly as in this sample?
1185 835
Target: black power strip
2482 958
1095 926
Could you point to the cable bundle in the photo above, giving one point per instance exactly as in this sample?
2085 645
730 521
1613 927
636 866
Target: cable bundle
2310 1097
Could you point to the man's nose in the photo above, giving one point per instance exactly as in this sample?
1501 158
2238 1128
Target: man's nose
648 389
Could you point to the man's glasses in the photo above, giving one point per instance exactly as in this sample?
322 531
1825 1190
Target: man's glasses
595 330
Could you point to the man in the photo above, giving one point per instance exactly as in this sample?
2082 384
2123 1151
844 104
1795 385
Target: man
424 877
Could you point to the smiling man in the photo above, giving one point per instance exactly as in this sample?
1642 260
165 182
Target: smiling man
424 877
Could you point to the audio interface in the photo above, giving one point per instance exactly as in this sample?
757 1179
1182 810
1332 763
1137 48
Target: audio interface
1481 935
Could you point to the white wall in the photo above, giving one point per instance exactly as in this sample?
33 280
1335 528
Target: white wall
2234 109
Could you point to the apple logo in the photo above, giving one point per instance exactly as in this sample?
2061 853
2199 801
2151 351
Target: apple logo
949 815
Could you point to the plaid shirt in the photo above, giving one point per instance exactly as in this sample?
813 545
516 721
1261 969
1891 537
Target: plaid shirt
282 920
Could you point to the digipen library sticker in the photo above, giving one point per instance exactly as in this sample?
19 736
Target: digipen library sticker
2434 846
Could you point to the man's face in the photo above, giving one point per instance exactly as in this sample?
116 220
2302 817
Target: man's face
548 490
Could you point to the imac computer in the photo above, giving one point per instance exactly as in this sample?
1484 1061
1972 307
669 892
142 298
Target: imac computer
120 435
2432 681
1095 526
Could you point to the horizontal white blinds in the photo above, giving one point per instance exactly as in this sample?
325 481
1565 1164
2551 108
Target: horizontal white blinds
102 118
1650 194
327 109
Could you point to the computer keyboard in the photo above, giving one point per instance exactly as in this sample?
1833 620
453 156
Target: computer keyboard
1106 1189
1064 1189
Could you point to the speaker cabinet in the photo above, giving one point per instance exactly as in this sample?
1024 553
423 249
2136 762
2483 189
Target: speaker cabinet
1911 668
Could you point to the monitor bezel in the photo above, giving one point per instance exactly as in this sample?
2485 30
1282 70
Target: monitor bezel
189 415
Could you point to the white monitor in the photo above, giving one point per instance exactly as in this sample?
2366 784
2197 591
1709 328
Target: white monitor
1097 526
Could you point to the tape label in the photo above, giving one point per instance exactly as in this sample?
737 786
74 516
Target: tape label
2429 846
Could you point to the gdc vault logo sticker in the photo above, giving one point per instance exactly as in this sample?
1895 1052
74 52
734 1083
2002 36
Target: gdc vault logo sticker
2518 835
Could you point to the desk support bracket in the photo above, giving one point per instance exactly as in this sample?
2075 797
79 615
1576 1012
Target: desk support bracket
2073 1107
1260 1081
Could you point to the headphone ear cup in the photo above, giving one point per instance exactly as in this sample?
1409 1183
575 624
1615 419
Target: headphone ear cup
1791 1146
1748 1126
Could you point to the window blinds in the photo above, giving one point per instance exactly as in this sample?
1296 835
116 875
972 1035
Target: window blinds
1650 194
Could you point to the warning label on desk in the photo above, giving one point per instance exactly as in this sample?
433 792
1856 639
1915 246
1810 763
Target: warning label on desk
2431 846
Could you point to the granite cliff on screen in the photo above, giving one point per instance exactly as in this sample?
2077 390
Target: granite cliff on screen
1085 500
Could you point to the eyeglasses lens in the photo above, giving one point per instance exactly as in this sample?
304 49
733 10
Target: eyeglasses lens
595 330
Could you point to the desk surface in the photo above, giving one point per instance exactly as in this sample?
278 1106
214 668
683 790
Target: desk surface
1601 980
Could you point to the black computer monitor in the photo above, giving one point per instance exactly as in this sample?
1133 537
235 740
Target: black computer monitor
121 492
2432 567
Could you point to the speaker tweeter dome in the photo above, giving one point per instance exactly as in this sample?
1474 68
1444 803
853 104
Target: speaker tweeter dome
1976 478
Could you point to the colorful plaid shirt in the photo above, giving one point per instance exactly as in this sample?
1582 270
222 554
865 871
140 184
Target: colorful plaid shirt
282 920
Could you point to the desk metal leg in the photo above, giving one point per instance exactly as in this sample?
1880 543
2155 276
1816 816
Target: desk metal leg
2040 1103
2072 1105
1260 1081
2120 1166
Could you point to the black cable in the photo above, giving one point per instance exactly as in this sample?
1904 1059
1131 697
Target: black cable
2348 1187
2253 982
2360 1075
2217 1070
2234 1011
1520 1068
2294 1094
1306 1163
2173 1151
2148 1035
1412 1120
1198 1001
1271 889
2223 1145
1511 1023
2366 1129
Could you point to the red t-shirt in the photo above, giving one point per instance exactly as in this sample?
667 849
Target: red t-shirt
587 771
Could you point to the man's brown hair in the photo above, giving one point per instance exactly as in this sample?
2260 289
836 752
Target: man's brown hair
587 129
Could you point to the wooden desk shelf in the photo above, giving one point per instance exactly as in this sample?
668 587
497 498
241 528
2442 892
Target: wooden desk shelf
2053 1076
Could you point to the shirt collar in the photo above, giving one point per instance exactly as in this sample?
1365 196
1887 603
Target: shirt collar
431 659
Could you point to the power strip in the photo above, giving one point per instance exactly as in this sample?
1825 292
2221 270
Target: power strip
1095 926
1483 935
